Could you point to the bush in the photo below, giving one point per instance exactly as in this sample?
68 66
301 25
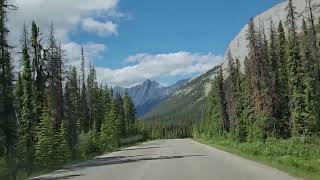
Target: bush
88 144
4 171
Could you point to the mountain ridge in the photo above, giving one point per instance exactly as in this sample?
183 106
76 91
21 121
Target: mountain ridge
149 94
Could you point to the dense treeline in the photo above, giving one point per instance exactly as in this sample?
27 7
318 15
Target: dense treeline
276 100
159 129
277 95
51 114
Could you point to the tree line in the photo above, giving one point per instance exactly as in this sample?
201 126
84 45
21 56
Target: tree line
50 112
276 94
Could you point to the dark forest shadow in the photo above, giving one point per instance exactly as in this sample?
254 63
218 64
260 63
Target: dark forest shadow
57 178
123 160
144 148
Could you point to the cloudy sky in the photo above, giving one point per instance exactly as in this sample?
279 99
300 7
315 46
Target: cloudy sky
130 41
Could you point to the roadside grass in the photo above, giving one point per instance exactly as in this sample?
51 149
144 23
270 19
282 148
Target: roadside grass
294 156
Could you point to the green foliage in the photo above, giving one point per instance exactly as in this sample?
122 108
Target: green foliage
88 144
63 154
298 155
45 143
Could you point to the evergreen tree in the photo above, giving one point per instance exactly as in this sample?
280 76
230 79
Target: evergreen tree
309 82
72 109
213 125
27 123
295 74
234 92
84 117
274 123
129 113
93 98
283 95
63 152
222 100
119 107
18 93
38 72
256 61
55 70
8 123
109 135
45 136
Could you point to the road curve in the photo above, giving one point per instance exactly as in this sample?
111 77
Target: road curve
176 159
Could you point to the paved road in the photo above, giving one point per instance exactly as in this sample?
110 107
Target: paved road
178 159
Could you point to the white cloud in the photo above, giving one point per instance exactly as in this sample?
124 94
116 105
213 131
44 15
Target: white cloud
92 51
153 66
65 14
102 29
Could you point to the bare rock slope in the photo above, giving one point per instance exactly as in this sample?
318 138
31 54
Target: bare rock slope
238 46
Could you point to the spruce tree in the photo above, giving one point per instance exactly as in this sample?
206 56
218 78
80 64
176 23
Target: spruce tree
119 107
8 123
28 121
283 95
18 93
93 98
295 75
222 101
309 82
84 117
38 71
55 73
72 109
45 136
63 152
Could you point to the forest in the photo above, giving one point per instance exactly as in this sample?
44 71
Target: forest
52 113
271 106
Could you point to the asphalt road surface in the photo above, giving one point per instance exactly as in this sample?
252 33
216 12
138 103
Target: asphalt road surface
177 159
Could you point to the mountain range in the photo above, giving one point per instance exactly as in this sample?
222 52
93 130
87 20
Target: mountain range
189 102
149 94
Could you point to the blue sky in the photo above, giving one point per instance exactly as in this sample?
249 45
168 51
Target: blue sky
165 40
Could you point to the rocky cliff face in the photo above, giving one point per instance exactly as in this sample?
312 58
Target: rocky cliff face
238 46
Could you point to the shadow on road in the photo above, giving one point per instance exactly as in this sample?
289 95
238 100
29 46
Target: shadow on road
57 178
144 148
104 161
123 160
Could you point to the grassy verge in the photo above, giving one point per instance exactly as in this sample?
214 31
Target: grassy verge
292 156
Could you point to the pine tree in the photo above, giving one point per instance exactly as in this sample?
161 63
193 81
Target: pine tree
119 107
234 92
18 93
28 121
63 152
274 124
309 82
213 125
72 109
295 75
55 72
109 135
45 136
38 71
8 123
222 101
84 117
283 95
129 114
93 98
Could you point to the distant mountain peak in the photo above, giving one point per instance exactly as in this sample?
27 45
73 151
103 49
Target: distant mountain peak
149 82
150 93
